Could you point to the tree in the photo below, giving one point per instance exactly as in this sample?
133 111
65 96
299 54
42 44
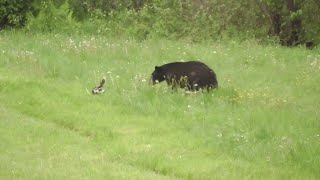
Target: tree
286 19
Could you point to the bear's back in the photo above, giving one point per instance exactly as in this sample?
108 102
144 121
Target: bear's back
186 67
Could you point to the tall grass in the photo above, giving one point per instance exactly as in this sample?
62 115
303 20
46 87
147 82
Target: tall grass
263 121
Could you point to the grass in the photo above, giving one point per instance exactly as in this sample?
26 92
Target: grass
262 123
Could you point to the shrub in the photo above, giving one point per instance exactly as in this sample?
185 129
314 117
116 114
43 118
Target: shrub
53 19
13 13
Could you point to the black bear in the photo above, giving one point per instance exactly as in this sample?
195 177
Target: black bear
192 75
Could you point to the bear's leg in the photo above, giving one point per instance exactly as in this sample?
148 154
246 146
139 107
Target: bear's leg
174 85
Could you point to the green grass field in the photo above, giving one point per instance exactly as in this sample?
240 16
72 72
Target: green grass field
262 123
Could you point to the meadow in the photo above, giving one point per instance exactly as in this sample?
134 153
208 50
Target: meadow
262 123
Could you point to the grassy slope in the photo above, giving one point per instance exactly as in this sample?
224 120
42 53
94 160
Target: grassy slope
263 122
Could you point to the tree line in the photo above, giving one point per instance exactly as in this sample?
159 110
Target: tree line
291 22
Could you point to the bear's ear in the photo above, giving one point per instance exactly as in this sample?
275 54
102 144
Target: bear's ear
156 67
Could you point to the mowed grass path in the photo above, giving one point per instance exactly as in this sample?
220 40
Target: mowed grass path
262 123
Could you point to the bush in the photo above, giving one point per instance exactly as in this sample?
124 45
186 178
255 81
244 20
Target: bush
196 20
13 13
53 19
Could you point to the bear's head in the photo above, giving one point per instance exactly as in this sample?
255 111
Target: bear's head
158 75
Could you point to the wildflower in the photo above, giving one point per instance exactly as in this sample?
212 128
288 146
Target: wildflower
71 41
268 158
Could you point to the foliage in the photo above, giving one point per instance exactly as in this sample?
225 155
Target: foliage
13 13
181 19
292 22
53 19
310 15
